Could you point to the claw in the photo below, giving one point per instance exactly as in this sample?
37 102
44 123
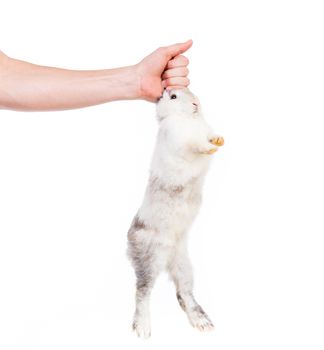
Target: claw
217 141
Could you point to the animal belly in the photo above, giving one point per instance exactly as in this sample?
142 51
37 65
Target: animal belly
170 211
176 222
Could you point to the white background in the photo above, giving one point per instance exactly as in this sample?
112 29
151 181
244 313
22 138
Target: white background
70 182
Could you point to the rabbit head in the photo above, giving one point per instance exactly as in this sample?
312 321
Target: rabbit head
178 102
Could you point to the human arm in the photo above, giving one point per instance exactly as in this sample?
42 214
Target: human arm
30 87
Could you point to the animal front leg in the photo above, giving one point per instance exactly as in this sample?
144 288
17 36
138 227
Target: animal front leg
211 146
204 147
181 272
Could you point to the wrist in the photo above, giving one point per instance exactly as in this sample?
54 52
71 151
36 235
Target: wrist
138 79
119 83
132 82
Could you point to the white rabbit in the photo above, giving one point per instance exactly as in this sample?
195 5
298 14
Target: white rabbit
157 236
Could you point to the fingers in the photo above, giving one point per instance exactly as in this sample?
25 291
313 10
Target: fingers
172 87
175 72
178 61
175 76
171 83
177 49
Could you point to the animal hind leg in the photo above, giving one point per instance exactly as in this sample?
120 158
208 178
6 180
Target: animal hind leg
144 285
180 271
146 269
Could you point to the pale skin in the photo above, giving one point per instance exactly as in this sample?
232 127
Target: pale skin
28 87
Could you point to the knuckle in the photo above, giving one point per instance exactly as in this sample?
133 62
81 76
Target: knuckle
180 61
172 64
165 74
184 60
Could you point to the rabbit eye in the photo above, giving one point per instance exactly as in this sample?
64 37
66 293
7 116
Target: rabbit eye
173 96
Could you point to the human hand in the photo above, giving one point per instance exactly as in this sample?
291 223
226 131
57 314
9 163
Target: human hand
163 68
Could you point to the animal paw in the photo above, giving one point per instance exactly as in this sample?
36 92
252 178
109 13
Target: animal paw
217 141
142 328
200 320
208 149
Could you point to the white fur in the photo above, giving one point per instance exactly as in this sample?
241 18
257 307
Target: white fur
157 238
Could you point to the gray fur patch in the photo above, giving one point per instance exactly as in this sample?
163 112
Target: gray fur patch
156 185
141 256
181 302
136 225
198 309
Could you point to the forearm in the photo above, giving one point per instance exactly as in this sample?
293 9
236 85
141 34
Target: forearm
25 86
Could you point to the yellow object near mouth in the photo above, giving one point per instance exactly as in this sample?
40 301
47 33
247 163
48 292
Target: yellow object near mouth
218 141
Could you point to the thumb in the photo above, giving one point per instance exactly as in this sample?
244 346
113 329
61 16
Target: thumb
177 49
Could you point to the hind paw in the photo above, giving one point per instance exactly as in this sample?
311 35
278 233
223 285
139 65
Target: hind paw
200 320
142 328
